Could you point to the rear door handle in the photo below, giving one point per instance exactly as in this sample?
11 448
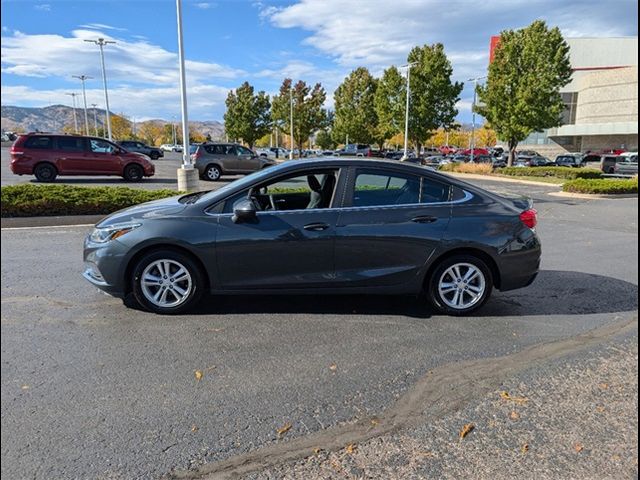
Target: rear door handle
424 219
316 227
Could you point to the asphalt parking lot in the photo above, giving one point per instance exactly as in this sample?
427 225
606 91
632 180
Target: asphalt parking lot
91 389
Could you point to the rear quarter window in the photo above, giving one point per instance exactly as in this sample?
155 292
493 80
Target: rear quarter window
40 143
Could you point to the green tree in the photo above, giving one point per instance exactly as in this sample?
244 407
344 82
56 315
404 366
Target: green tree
247 116
355 113
433 95
522 92
309 114
324 140
390 104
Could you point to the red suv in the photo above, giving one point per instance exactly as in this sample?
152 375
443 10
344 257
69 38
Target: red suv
48 155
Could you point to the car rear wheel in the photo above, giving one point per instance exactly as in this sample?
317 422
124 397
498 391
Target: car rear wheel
45 172
133 173
460 285
154 155
167 282
212 173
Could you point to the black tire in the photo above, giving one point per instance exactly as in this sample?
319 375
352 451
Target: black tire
611 170
154 155
439 300
175 259
45 172
133 173
212 173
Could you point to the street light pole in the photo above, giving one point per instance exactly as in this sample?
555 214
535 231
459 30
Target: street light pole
75 119
187 175
101 42
291 121
473 116
406 118
95 119
84 96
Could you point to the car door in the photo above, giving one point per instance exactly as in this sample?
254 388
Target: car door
105 157
389 226
72 156
247 160
289 246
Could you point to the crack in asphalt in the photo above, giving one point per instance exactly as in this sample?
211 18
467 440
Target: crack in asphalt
441 391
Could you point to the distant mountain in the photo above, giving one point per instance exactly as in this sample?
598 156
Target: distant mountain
54 117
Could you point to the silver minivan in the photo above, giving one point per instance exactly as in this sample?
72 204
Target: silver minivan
216 159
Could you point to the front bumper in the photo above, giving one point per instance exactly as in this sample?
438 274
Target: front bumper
104 266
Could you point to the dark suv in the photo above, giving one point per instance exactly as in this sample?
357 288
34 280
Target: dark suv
48 155
134 146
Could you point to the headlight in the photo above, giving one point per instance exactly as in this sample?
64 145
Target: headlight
106 234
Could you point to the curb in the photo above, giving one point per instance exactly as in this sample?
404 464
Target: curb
592 196
31 222
501 179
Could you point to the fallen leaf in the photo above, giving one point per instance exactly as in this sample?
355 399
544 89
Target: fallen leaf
519 400
317 450
194 428
466 430
208 369
350 448
524 448
615 458
578 447
284 429
333 367
514 415
375 421
25 387
600 409
198 374
604 386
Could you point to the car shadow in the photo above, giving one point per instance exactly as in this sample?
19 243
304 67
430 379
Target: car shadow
105 181
553 293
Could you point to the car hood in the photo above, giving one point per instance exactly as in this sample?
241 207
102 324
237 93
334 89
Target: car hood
154 209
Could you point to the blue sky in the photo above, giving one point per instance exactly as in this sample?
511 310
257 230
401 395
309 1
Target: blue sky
229 42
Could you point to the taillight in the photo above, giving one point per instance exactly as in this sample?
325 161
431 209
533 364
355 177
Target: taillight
529 218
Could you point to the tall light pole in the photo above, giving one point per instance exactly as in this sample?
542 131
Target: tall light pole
95 119
406 117
473 116
187 175
75 119
84 96
101 42
291 120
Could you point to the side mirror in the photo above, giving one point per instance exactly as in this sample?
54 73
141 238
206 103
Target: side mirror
244 211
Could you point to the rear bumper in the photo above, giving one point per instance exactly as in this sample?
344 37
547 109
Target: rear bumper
519 269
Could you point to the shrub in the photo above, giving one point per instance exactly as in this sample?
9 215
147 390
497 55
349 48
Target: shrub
602 186
479 168
50 200
558 172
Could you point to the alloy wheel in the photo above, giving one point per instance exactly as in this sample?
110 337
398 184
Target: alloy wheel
461 286
166 283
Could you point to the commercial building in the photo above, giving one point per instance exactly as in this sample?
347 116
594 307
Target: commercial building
601 101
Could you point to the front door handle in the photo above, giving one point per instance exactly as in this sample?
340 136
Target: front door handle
424 219
316 227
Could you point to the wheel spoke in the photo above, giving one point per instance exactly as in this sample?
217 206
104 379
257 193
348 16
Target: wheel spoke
456 297
180 279
456 269
180 290
163 298
475 288
470 275
156 297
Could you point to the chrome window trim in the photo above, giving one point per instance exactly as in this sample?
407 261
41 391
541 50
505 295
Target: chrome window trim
467 196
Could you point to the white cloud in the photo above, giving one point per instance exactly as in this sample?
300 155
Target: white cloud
206 102
43 7
204 5
136 61
102 26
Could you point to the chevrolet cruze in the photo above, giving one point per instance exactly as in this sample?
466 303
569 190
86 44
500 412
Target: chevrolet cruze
320 226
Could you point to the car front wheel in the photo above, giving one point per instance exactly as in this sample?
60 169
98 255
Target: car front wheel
167 282
212 173
460 285
133 173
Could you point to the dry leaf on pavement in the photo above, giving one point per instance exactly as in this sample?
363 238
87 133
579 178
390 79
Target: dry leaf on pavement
519 400
194 428
350 448
198 374
578 447
514 415
524 448
466 430
284 429
333 367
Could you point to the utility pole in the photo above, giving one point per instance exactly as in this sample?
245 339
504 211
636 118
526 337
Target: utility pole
84 96
95 119
75 119
101 42
291 121
406 119
473 116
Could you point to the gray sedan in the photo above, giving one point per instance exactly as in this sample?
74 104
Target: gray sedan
320 226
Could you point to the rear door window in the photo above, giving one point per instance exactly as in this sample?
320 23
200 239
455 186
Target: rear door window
39 143
384 189
101 146
71 144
